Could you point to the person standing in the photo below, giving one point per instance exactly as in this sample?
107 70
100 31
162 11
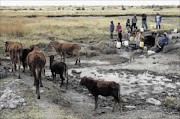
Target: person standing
128 24
134 21
144 17
111 28
158 21
127 40
139 37
119 30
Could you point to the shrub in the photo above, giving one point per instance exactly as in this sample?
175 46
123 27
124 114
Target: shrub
123 8
178 6
103 8
31 9
83 8
78 8
172 103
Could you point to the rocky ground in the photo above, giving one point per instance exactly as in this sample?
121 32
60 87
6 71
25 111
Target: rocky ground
150 87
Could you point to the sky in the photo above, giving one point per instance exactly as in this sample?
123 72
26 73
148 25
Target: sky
86 2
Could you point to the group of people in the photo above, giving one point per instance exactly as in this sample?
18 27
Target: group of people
138 37
132 26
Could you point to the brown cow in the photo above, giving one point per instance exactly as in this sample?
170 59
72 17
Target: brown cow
104 88
14 50
36 61
66 48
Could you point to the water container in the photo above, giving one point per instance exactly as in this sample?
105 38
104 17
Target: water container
118 45
142 29
126 43
141 44
131 38
152 27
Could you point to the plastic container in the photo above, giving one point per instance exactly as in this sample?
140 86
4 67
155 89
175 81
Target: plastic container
141 44
131 38
152 27
118 45
142 29
126 43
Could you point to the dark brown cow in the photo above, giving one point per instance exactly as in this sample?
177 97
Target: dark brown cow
14 50
66 48
36 61
104 88
58 68
24 55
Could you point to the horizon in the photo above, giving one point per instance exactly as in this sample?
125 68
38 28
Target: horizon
88 3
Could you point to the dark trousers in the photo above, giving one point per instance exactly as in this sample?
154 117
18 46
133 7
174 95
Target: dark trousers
120 36
158 49
111 34
133 25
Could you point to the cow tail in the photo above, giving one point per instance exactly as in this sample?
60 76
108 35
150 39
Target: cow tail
15 53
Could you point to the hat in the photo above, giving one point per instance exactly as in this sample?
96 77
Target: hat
165 33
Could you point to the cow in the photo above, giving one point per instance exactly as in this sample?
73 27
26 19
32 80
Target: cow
24 55
14 50
36 61
104 88
66 48
58 68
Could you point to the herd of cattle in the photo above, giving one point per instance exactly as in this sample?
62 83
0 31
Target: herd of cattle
36 60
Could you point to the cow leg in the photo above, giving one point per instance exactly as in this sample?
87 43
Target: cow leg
19 67
37 89
96 104
79 61
120 106
62 79
24 66
13 69
115 102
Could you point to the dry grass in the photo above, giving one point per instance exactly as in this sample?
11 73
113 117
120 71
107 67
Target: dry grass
13 29
89 10
70 29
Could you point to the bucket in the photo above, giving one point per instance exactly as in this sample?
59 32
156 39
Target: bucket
131 38
141 44
142 29
152 27
126 43
118 45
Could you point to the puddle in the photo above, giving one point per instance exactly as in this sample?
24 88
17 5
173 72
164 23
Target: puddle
98 62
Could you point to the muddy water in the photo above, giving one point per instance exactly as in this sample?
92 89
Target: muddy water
145 86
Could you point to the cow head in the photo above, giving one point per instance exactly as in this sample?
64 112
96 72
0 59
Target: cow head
83 81
6 45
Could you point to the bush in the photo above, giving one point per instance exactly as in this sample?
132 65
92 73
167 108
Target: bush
83 8
31 9
178 6
78 8
123 8
172 103
103 8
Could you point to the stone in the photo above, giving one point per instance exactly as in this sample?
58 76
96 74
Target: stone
153 101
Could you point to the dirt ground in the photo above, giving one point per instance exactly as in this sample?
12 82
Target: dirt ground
145 82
